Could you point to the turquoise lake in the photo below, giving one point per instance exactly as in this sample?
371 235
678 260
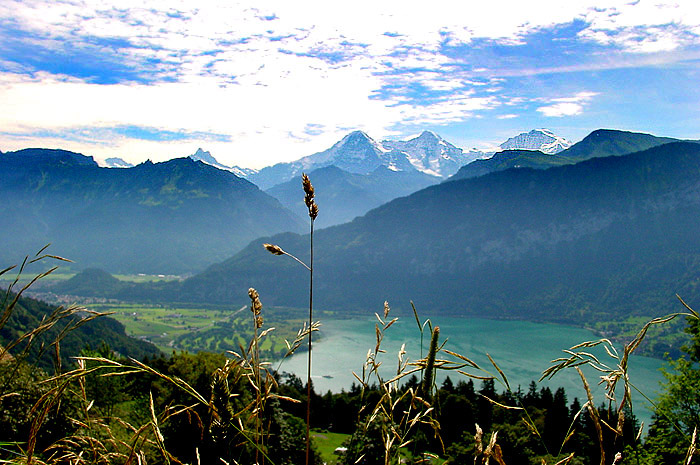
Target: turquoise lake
521 349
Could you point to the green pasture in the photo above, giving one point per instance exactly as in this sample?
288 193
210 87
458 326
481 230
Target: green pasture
327 443
195 329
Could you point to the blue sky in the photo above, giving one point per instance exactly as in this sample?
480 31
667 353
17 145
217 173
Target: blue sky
261 82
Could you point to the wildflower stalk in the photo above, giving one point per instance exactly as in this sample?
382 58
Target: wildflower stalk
276 250
256 308
313 212
430 364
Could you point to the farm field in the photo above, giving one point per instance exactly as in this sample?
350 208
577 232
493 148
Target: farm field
194 329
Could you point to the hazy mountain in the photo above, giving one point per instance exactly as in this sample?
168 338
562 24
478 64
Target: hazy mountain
116 162
607 236
342 196
599 143
606 142
209 159
510 159
358 153
542 140
173 217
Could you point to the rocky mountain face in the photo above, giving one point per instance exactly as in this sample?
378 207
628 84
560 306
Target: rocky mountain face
358 153
543 140
173 217
431 154
208 158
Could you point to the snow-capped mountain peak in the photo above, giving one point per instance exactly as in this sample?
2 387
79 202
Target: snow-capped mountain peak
208 158
543 140
358 153
432 154
428 136
116 162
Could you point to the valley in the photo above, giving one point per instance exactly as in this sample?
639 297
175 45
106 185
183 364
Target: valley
347 233
516 257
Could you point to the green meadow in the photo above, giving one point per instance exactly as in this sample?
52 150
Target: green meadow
195 329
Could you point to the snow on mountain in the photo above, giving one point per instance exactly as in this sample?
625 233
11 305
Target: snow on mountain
431 154
543 140
242 172
208 158
116 162
355 153
358 153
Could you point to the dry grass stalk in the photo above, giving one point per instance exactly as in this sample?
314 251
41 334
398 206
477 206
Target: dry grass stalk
397 413
611 375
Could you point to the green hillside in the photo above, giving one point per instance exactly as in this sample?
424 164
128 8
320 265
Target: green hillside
174 217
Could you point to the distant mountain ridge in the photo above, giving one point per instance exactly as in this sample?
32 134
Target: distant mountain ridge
599 143
208 158
342 196
116 162
173 217
358 153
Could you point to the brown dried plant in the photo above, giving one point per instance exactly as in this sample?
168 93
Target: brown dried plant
310 202
612 374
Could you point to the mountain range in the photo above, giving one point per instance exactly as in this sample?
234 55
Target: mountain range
599 143
174 217
358 153
342 196
609 236
359 173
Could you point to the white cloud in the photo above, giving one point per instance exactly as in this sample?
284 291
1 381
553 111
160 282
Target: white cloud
645 26
567 106
258 81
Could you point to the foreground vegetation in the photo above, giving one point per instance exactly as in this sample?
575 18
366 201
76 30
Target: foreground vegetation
236 408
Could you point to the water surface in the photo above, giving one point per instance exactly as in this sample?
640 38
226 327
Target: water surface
521 349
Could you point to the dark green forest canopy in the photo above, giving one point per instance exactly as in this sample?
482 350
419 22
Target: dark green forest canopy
102 331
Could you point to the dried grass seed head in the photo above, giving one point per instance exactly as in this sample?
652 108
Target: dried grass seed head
308 190
309 196
255 304
306 184
274 249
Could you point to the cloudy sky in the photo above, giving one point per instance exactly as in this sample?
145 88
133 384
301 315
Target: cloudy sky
261 82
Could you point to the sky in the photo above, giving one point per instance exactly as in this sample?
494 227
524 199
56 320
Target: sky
256 83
